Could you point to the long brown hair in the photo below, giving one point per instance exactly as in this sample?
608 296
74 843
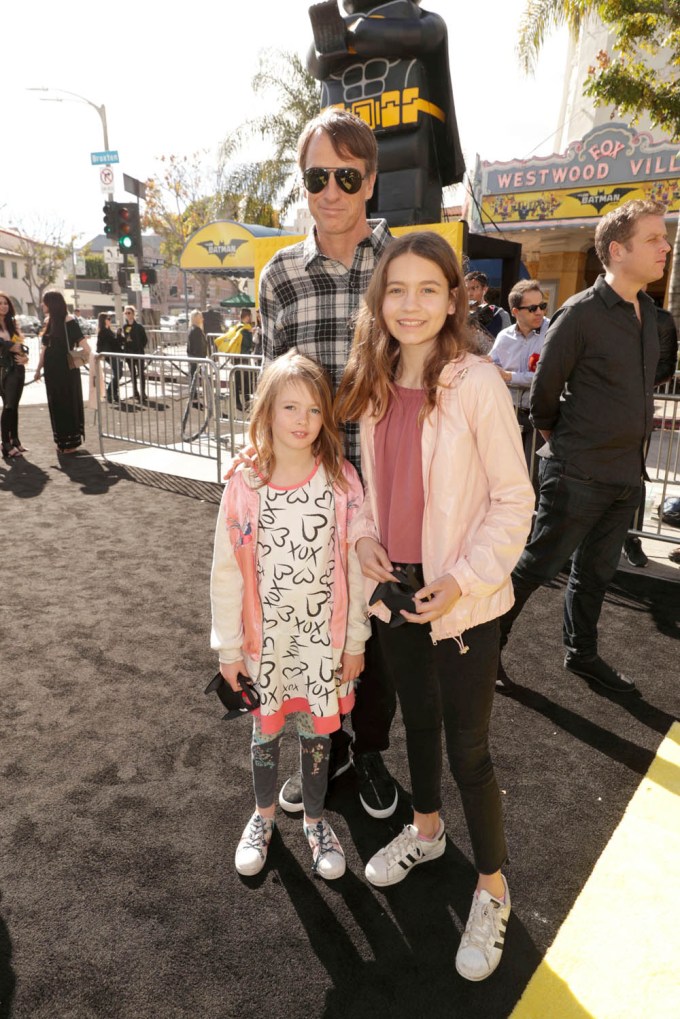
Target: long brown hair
57 311
11 317
297 370
372 366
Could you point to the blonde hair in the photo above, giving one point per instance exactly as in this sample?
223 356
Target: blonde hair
368 379
295 369
194 317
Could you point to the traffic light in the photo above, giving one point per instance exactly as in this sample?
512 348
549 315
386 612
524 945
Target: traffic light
129 229
124 228
111 220
148 277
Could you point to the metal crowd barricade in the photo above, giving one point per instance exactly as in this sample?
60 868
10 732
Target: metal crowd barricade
198 406
662 461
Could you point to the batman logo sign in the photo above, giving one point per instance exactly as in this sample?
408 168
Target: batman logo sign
601 198
221 250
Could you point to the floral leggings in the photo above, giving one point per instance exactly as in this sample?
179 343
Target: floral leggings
314 754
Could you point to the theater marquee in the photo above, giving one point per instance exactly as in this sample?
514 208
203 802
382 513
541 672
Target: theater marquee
610 165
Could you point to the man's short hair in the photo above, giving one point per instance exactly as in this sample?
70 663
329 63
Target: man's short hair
619 224
347 133
481 277
246 314
520 288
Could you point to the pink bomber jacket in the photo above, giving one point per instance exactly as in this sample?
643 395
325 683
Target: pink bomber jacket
236 608
478 497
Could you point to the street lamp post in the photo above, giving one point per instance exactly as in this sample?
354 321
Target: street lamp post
101 110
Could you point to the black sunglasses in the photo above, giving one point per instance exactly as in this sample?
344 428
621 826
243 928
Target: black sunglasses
533 307
316 178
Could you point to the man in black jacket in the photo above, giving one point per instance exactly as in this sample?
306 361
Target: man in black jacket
593 401
134 342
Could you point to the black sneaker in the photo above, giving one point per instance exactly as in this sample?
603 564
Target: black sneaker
632 551
290 797
597 671
503 682
377 791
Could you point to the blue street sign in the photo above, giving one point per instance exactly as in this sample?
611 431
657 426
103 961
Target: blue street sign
104 157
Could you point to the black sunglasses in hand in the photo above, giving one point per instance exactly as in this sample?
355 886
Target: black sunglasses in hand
348 178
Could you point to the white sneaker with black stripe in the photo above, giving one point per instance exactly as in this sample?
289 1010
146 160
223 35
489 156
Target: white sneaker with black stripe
481 946
392 864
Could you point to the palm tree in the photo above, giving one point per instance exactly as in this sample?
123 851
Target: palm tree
625 80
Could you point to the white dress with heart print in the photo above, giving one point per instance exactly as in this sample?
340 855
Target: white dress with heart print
295 556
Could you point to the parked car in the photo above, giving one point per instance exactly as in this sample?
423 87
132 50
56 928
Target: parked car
29 324
168 322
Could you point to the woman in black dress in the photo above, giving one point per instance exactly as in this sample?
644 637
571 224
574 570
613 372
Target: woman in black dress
109 343
64 392
12 361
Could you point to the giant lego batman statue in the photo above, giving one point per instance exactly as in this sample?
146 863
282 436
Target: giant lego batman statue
388 63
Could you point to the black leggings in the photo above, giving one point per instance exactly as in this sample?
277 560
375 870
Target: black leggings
435 683
11 388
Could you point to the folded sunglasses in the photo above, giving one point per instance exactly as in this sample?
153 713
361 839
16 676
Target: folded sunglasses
398 594
237 703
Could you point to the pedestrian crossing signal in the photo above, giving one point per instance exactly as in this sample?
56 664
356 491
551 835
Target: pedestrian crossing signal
147 277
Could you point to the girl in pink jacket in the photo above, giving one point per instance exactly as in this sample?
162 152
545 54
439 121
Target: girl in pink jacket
287 600
447 512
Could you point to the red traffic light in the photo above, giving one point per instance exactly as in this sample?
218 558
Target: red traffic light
147 277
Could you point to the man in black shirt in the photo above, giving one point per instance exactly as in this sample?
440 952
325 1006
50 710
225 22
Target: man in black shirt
592 400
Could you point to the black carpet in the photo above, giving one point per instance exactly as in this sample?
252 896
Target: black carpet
124 794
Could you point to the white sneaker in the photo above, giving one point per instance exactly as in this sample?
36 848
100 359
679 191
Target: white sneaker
251 852
392 864
481 946
328 859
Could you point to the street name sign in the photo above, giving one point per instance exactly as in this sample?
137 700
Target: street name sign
110 156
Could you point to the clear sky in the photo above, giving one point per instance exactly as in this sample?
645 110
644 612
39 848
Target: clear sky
176 78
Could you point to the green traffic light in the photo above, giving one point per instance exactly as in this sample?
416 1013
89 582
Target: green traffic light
125 243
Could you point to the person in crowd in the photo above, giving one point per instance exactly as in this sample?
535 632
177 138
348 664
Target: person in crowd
244 386
134 340
287 601
447 511
665 370
309 293
487 319
592 399
197 344
60 334
212 321
257 333
12 378
108 342
517 349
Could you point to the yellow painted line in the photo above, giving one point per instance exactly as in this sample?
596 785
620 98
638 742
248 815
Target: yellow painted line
617 954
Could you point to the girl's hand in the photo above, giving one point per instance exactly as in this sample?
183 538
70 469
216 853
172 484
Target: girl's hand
230 673
443 593
245 456
352 666
374 560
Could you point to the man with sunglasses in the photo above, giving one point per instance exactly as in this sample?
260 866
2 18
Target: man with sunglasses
592 399
309 294
517 349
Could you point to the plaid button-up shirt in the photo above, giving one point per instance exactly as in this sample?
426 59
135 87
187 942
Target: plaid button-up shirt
309 301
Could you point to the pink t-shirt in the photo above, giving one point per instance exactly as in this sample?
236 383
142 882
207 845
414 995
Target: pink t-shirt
399 476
